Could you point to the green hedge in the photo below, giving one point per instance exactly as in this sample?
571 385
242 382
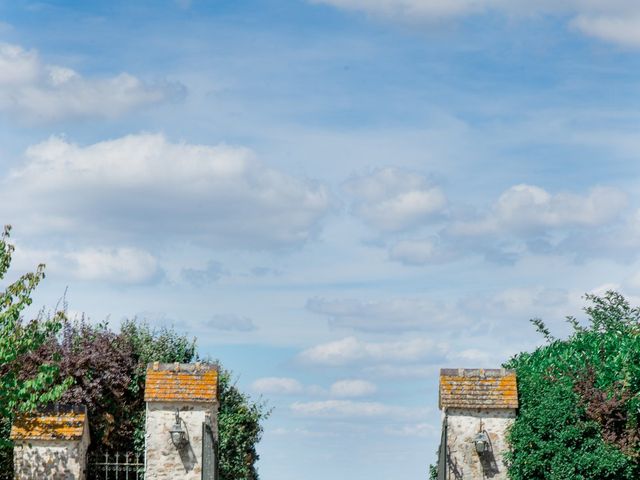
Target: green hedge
580 399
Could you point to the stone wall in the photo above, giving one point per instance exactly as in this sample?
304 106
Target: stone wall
163 460
463 462
51 459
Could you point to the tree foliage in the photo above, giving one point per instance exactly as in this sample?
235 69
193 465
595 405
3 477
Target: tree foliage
50 359
108 369
151 345
19 338
19 392
240 429
580 399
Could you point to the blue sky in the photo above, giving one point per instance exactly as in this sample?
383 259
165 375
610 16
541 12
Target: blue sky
336 197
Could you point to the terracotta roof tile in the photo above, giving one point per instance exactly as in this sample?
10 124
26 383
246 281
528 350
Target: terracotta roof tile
478 388
59 423
171 382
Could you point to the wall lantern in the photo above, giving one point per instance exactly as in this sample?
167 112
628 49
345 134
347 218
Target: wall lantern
481 442
178 433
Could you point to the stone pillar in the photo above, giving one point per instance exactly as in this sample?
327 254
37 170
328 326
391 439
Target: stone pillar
191 390
51 444
478 407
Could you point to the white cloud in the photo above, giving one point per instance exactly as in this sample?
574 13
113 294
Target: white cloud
350 350
523 219
475 357
455 356
413 252
394 315
620 241
619 29
277 386
17 66
411 9
517 302
198 277
527 208
352 388
634 281
144 187
35 91
614 21
26 259
421 252
119 265
528 219
600 290
390 199
354 409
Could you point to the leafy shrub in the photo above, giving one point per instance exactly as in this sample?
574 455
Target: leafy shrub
107 371
240 429
580 399
50 359
18 338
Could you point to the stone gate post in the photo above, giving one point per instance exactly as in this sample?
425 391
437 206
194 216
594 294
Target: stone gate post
182 411
479 406
51 444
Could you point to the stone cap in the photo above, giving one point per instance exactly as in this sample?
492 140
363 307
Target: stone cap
181 382
57 422
478 388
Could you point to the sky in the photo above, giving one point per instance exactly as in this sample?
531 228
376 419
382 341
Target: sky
337 198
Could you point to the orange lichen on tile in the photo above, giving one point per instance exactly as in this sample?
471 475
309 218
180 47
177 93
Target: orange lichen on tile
49 426
181 383
478 388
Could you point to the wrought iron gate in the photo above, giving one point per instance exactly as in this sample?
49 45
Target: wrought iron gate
116 466
209 454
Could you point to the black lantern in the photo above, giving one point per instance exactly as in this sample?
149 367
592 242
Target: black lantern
481 442
178 434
